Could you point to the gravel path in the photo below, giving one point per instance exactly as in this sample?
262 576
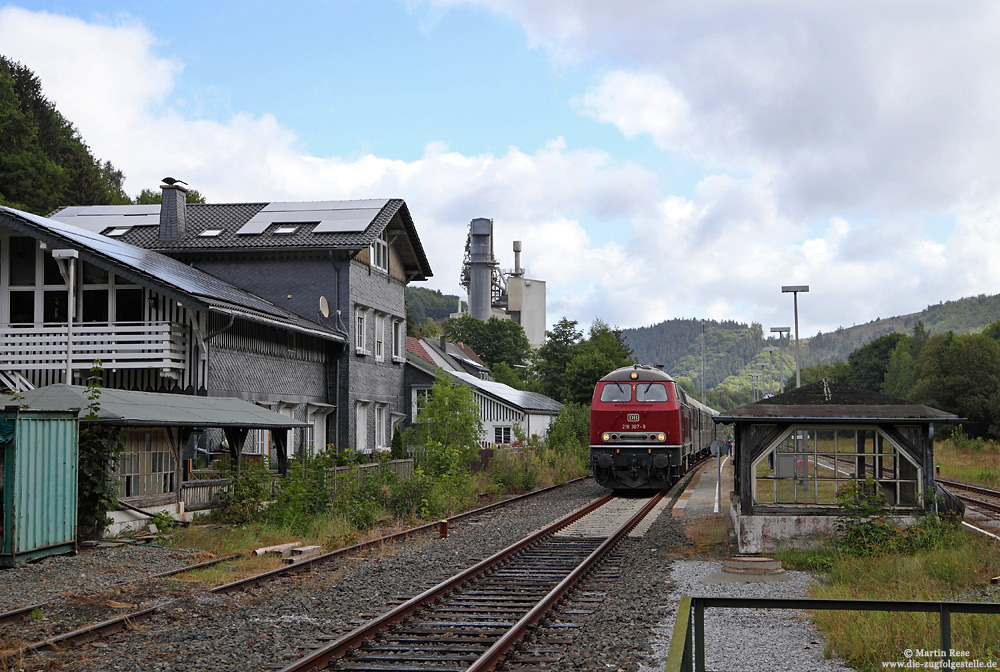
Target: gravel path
747 639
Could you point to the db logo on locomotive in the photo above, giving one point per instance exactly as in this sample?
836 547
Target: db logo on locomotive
632 417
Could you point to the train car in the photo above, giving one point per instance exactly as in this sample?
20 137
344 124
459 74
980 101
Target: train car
645 432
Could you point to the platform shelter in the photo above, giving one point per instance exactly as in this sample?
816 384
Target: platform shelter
795 451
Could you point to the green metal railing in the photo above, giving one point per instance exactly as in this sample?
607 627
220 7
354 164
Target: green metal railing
687 646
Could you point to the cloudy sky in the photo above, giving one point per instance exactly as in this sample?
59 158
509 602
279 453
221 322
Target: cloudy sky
658 159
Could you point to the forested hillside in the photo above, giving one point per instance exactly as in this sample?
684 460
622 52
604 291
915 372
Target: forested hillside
429 304
44 163
735 351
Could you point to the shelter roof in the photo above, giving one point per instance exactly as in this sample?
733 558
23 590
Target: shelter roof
833 401
167 275
154 409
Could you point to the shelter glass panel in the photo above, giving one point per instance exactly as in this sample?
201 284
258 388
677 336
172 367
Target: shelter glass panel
811 465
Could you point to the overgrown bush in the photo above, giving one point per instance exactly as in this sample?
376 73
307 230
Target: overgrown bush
866 530
243 501
100 446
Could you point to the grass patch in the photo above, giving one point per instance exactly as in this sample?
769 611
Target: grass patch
971 460
956 568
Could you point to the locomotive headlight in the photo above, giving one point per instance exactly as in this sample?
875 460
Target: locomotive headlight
605 437
633 375
661 437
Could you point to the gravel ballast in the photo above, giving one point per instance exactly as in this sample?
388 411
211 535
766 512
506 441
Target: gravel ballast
277 623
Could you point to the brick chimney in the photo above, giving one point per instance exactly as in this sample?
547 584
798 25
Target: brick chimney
173 222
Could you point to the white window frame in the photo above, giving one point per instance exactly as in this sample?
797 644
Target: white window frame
380 337
398 341
420 397
381 413
501 432
379 251
361 428
361 330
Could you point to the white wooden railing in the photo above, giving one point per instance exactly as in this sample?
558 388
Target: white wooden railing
119 345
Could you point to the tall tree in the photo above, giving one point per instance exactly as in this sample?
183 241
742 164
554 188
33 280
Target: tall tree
554 356
495 340
44 162
155 197
961 374
867 365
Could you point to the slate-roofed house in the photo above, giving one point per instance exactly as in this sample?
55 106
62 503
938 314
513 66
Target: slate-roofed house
501 407
298 307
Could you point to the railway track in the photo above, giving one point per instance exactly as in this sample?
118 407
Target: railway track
977 495
58 622
474 619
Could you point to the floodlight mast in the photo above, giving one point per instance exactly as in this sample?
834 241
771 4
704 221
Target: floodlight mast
794 291
781 354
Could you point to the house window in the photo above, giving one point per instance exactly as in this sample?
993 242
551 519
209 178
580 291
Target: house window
361 428
381 427
398 341
421 395
380 251
501 435
811 465
147 466
379 337
21 266
360 327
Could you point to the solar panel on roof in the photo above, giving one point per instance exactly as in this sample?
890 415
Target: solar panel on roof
332 216
342 221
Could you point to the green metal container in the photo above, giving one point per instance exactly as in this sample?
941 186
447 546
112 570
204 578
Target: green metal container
39 462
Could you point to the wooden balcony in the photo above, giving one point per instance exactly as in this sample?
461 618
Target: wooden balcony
119 345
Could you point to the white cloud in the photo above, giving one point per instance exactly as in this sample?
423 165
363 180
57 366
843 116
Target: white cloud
796 120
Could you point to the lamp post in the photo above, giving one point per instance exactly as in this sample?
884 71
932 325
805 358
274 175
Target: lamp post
68 272
763 365
770 360
781 354
794 290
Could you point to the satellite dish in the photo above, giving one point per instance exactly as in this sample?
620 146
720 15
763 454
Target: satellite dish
324 307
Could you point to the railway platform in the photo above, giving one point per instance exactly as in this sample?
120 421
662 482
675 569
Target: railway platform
699 497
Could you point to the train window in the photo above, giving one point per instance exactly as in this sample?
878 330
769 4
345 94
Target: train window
616 392
651 392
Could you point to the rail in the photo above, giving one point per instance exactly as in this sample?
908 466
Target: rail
687 646
119 345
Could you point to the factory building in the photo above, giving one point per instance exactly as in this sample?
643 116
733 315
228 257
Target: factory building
502 293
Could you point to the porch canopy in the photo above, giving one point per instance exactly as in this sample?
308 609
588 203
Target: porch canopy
184 412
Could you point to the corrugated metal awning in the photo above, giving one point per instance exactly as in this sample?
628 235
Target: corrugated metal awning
155 409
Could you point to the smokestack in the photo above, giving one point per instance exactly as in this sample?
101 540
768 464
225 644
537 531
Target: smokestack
173 217
481 269
517 259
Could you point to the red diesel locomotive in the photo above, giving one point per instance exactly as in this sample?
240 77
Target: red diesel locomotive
645 432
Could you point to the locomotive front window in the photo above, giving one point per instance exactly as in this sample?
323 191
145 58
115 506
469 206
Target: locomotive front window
651 392
616 393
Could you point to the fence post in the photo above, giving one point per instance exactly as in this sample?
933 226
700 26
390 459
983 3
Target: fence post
699 635
946 631
679 656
